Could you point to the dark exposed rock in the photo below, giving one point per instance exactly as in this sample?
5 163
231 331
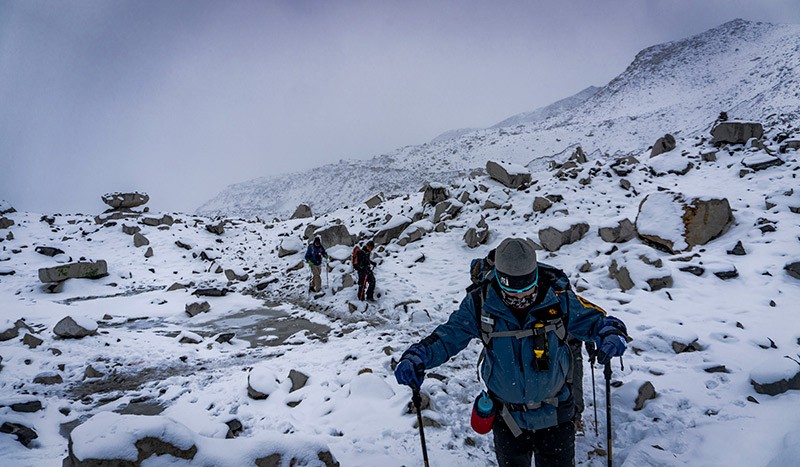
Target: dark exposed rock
336 234
210 292
433 194
552 239
27 407
303 211
624 231
125 200
660 283
80 270
793 269
621 275
761 162
193 309
91 372
738 250
696 270
166 219
375 200
24 434
183 245
510 175
149 252
31 341
769 384
298 380
730 274
646 392
680 347
717 369
131 229
67 328
664 144
235 428
392 230
49 251
140 240
48 378
6 222
225 337
736 132
217 229
541 204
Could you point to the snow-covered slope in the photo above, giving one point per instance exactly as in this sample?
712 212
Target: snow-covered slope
747 69
737 311
552 110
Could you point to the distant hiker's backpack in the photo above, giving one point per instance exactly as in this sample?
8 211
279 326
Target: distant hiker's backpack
355 255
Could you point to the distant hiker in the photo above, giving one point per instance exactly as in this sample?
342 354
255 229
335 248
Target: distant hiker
363 265
314 255
479 268
522 314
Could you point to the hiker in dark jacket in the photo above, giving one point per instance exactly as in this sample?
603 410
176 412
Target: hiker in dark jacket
522 315
314 255
366 279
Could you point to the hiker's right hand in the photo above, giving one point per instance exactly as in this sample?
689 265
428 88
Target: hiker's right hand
410 371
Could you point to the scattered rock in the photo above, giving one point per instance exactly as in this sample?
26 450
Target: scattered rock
193 309
659 283
475 236
6 222
336 234
236 276
776 376
621 275
289 246
298 380
738 250
187 337
48 251
149 252
392 229
696 270
761 162
793 269
80 270
72 328
131 229
552 239
680 347
24 434
433 194
235 428
664 144
225 337
728 274
624 231
736 132
646 392
48 378
375 200
27 407
125 200
31 341
140 240
446 210
717 369
512 176
210 292
303 211
91 372
217 229
158 221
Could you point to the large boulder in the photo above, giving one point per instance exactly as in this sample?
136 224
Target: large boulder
336 234
552 239
166 219
303 211
447 209
736 132
375 200
75 328
290 246
664 144
623 231
477 235
392 229
80 270
511 175
434 193
5 222
125 200
676 223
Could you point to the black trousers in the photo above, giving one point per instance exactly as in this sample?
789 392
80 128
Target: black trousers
550 447
366 280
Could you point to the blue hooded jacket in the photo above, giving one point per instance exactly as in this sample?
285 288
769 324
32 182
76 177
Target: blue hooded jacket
508 369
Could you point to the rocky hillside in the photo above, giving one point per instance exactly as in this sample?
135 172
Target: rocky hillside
745 68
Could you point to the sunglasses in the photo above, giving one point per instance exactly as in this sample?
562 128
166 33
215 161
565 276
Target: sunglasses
518 291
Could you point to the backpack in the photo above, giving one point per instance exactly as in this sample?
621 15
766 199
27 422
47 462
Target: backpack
355 255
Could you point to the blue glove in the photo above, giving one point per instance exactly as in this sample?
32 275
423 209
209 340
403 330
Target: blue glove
410 371
611 339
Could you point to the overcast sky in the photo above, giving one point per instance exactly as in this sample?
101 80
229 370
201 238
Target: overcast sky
182 98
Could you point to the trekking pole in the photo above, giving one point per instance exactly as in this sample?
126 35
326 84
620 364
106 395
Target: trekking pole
590 348
417 400
327 263
607 373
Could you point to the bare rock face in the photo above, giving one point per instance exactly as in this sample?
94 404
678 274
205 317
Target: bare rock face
303 211
125 200
736 132
80 270
677 224
336 234
434 193
69 328
664 144
510 175
552 239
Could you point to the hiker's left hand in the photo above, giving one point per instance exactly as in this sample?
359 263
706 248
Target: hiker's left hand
611 346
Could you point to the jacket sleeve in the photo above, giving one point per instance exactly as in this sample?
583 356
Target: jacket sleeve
308 253
585 317
452 337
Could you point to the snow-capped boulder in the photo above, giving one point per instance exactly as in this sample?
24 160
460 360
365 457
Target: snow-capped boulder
48 378
513 176
477 235
793 269
541 204
131 229
188 337
619 232
788 145
415 232
776 375
664 144
676 223
261 382
25 435
236 275
216 229
370 386
303 211
551 238
6 271
434 193
290 246
736 132
670 164
166 219
392 229
75 327
761 161
446 210
80 270
496 200
125 200
336 234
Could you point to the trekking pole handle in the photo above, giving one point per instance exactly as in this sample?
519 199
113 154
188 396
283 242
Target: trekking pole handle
416 399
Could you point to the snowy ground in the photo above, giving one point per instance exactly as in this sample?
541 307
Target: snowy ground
350 403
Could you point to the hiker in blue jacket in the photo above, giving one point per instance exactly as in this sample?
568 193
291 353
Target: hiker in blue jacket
522 314
314 256
479 268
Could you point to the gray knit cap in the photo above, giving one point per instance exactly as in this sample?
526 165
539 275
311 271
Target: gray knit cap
515 263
